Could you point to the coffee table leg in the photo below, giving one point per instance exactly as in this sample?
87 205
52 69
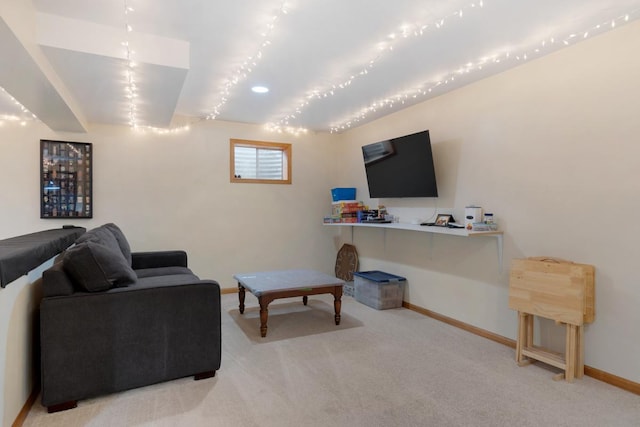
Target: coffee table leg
337 304
264 315
241 297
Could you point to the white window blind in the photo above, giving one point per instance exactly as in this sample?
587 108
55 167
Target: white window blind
259 163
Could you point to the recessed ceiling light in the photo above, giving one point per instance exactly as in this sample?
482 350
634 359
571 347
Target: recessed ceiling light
260 89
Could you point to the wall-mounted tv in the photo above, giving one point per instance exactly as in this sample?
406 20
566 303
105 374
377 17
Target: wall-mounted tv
401 167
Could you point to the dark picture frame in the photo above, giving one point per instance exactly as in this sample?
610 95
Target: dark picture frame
66 179
443 220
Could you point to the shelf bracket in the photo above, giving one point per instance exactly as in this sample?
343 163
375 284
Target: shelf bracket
499 241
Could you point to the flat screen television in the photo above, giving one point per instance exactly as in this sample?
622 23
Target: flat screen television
401 167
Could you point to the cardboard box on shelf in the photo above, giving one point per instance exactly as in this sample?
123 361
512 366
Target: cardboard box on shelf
338 208
350 220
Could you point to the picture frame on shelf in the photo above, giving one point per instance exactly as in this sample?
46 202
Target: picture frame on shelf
443 220
66 179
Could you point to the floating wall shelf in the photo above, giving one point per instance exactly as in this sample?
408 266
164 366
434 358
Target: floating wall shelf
460 232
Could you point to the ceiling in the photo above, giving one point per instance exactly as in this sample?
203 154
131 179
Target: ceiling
329 64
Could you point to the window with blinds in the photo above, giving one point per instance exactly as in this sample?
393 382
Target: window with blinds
260 162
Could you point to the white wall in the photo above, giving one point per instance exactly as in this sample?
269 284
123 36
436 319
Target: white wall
172 192
550 147
18 317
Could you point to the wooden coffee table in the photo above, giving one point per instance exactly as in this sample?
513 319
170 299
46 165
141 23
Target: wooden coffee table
270 285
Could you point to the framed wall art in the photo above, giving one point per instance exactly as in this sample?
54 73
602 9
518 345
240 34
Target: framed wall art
66 181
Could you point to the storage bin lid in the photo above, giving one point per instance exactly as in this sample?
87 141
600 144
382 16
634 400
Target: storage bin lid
347 193
379 276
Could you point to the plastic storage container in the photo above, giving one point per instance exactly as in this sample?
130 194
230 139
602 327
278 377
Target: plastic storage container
338 194
378 289
348 289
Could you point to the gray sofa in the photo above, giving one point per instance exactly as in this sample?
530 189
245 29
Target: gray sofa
112 320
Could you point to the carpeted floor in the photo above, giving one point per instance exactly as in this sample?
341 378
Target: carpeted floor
378 368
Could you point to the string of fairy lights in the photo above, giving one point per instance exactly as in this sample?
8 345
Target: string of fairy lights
23 118
424 90
432 85
249 64
237 76
130 88
429 87
131 91
388 44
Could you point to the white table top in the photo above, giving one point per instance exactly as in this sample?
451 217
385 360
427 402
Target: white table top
280 280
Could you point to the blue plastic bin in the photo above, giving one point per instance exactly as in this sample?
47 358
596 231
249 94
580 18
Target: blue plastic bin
338 194
378 289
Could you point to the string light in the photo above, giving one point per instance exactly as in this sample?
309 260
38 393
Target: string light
23 118
131 89
241 73
430 86
163 131
248 65
286 129
387 45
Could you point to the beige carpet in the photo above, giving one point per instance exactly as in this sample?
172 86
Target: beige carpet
378 368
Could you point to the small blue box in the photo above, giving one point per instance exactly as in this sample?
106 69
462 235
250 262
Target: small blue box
338 194
378 289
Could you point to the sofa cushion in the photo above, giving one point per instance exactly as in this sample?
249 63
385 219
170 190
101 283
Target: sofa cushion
161 271
94 267
102 236
121 239
155 259
168 280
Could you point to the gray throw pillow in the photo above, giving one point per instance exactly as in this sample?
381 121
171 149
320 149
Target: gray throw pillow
102 236
94 267
121 239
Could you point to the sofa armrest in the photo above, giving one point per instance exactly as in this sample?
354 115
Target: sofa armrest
56 282
155 259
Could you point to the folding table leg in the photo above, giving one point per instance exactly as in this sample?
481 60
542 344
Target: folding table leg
522 336
570 353
580 350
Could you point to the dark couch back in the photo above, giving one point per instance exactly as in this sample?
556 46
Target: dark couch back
55 282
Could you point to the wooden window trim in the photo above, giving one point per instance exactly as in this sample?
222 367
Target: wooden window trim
284 147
